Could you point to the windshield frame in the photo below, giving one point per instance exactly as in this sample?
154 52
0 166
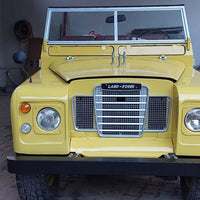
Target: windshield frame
115 10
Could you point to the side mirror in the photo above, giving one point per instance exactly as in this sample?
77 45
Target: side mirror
19 57
120 18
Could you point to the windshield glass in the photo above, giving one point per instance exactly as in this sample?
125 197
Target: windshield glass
152 25
95 25
80 26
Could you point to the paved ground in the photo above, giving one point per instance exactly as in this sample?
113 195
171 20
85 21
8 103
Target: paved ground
84 187
8 189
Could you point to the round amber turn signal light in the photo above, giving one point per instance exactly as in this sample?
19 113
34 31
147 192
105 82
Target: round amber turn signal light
25 107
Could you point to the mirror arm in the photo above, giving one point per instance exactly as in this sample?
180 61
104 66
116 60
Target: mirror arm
24 70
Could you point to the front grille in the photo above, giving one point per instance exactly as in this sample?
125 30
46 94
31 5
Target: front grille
83 112
121 113
158 113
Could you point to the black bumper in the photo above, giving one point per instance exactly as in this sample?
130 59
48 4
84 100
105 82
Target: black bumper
91 165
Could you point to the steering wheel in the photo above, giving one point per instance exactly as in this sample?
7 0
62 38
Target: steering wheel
92 33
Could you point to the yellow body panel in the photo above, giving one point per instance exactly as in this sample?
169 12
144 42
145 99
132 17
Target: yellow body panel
188 95
80 67
39 96
77 51
146 147
75 70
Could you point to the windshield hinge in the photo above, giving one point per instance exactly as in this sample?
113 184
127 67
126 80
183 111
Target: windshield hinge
124 58
119 60
70 58
188 43
163 57
113 58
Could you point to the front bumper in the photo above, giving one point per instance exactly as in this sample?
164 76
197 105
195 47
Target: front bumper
23 164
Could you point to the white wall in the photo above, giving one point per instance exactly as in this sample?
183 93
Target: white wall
35 12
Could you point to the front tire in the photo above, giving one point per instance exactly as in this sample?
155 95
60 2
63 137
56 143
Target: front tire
190 188
36 187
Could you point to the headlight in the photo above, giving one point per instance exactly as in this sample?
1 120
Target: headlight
192 120
48 119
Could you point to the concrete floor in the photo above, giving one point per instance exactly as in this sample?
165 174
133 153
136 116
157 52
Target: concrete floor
84 187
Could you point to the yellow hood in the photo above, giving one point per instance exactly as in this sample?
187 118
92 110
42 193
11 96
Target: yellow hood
102 67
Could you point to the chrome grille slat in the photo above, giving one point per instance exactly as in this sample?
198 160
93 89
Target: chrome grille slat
114 130
123 103
121 116
120 109
121 123
121 95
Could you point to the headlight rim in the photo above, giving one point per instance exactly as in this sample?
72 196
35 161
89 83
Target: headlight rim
41 127
185 120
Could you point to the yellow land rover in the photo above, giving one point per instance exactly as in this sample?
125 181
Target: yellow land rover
116 94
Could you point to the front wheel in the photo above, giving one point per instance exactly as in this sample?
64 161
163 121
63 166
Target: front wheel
190 188
36 187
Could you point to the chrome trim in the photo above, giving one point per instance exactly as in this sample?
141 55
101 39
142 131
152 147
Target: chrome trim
185 23
120 95
115 27
140 132
107 9
47 25
181 41
121 109
185 118
121 103
114 130
116 10
122 123
121 116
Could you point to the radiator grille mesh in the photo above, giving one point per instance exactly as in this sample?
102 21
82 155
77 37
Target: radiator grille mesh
158 113
83 112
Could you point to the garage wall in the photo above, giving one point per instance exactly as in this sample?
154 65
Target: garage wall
1 34
35 12
1 42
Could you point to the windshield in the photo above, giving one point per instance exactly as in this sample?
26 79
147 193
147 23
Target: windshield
116 25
